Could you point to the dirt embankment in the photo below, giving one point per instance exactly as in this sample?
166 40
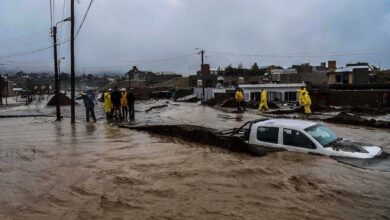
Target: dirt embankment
61 98
345 118
203 135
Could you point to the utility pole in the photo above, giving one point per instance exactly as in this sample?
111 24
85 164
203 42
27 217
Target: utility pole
203 76
57 93
1 90
72 63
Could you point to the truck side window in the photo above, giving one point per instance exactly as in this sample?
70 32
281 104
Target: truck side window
268 134
297 139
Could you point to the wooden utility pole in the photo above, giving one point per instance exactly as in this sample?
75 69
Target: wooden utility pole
57 92
72 65
2 82
203 76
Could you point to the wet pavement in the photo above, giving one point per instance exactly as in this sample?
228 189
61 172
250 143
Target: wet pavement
53 170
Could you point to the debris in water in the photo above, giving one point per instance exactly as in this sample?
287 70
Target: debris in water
155 107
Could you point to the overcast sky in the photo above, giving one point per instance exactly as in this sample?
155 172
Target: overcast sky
161 35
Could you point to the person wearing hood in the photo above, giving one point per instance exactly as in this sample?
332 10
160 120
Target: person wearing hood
263 100
239 97
124 104
107 103
116 97
306 102
89 104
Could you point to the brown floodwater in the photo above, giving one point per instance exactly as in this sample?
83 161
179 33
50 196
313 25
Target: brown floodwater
52 170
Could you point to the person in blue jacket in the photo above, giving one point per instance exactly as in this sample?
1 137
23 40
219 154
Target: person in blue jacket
89 104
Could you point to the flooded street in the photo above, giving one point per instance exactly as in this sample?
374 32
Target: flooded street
53 170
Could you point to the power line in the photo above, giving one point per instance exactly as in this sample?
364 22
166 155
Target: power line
157 60
148 62
308 55
85 16
22 43
23 38
32 51
63 17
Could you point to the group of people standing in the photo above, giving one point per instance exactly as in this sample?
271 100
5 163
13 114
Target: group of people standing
119 104
303 100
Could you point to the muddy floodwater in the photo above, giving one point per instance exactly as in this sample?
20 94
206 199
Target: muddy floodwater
53 170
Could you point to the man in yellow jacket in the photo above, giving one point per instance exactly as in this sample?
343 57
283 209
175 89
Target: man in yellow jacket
300 95
306 102
263 100
239 96
124 103
107 103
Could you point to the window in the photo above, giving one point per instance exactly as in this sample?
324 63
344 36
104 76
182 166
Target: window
338 78
268 134
290 96
297 139
342 78
322 134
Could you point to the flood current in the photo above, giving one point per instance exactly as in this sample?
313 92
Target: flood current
55 170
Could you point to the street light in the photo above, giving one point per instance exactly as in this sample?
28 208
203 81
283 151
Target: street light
56 77
66 19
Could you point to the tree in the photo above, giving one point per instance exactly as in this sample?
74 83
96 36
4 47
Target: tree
254 66
240 67
382 76
219 71
229 70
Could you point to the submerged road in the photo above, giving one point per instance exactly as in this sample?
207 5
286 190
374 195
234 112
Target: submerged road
52 170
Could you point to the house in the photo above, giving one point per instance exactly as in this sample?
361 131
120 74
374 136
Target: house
276 92
267 69
353 73
277 74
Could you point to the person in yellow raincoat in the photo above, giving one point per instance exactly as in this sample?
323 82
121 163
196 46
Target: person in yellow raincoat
263 100
306 102
107 103
124 103
239 96
300 96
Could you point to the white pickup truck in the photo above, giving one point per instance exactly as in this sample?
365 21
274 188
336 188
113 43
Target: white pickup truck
302 136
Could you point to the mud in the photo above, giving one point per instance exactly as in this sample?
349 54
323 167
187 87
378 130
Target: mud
61 98
368 110
52 170
203 135
155 107
345 118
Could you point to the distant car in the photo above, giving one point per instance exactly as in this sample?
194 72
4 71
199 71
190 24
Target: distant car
303 136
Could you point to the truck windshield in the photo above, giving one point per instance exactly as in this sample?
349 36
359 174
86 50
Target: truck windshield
322 134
